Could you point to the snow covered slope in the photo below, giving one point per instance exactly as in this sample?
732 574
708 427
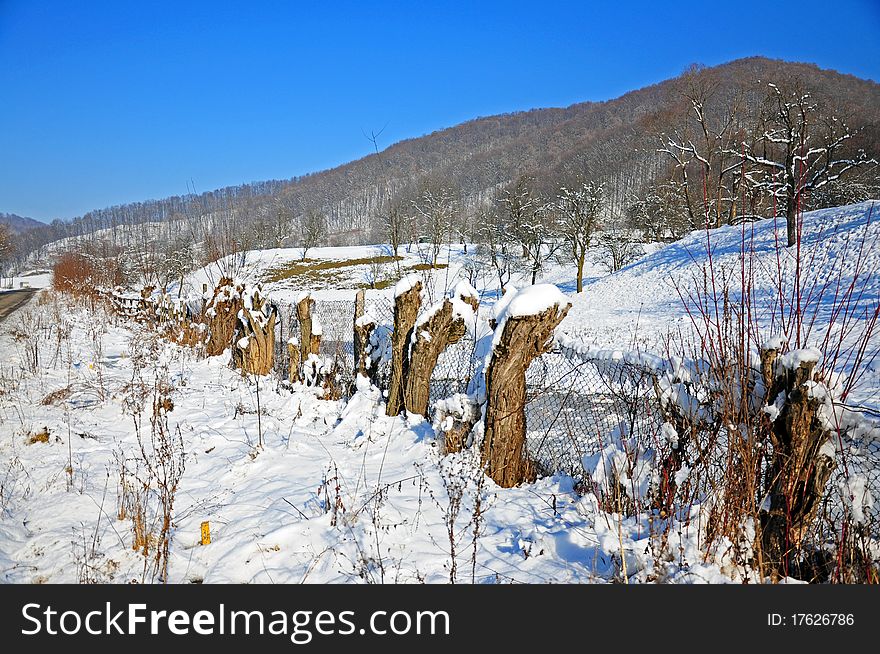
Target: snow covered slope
637 307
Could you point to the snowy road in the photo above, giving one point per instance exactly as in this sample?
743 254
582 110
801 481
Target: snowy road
13 300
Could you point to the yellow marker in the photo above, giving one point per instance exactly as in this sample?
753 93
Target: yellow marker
206 533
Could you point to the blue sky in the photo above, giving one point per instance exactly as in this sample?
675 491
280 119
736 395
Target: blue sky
109 102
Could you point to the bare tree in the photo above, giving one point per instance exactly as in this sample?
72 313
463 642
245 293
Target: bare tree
436 208
579 209
661 212
533 222
394 218
495 248
703 144
618 249
178 260
314 228
799 149
7 248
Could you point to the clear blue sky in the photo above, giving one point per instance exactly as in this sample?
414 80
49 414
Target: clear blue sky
109 102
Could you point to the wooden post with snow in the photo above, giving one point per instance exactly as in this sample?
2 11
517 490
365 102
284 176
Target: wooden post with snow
293 354
526 321
803 457
254 350
363 329
440 326
310 338
222 313
407 300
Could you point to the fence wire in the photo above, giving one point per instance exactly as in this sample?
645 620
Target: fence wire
337 332
575 406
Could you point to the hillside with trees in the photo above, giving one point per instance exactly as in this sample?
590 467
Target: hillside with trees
747 138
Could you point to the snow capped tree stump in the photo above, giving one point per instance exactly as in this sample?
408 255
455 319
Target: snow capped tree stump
801 465
363 328
363 360
254 350
222 314
439 327
526 321
407 300
454 418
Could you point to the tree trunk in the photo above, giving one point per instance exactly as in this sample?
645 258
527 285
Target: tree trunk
791 220
363 329
442 329
306 338
406 310
294 372
222 315
254 349
580 272
523 339
799 472
456 424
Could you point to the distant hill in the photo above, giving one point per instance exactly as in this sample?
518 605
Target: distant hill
19 224
614 142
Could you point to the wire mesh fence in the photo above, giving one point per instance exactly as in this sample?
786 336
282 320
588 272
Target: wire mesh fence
576 405
336 319
454 371
853 491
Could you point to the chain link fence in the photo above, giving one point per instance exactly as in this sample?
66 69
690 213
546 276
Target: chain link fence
336 317
576 405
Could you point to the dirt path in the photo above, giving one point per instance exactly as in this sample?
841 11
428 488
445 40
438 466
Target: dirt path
12 300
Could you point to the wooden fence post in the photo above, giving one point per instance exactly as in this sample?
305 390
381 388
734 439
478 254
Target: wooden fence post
527 326
407 300
441 326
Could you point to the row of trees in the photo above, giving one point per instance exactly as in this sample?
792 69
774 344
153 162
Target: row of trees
734 155
755 151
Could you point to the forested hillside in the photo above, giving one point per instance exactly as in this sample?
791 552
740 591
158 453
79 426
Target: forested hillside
709 142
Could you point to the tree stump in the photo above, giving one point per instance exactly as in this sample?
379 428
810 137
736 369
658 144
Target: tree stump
441 326
293 353
523 338
406 310
254 350
363 363
304 316
454 418
799 471
222 313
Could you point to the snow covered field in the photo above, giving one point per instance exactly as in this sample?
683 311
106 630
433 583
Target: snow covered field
311 490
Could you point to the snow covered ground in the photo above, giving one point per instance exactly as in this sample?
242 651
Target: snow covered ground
311 490
335 494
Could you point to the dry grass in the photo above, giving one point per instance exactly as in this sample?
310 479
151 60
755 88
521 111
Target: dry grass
41 436
57 397
320 270
427 266
332 273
